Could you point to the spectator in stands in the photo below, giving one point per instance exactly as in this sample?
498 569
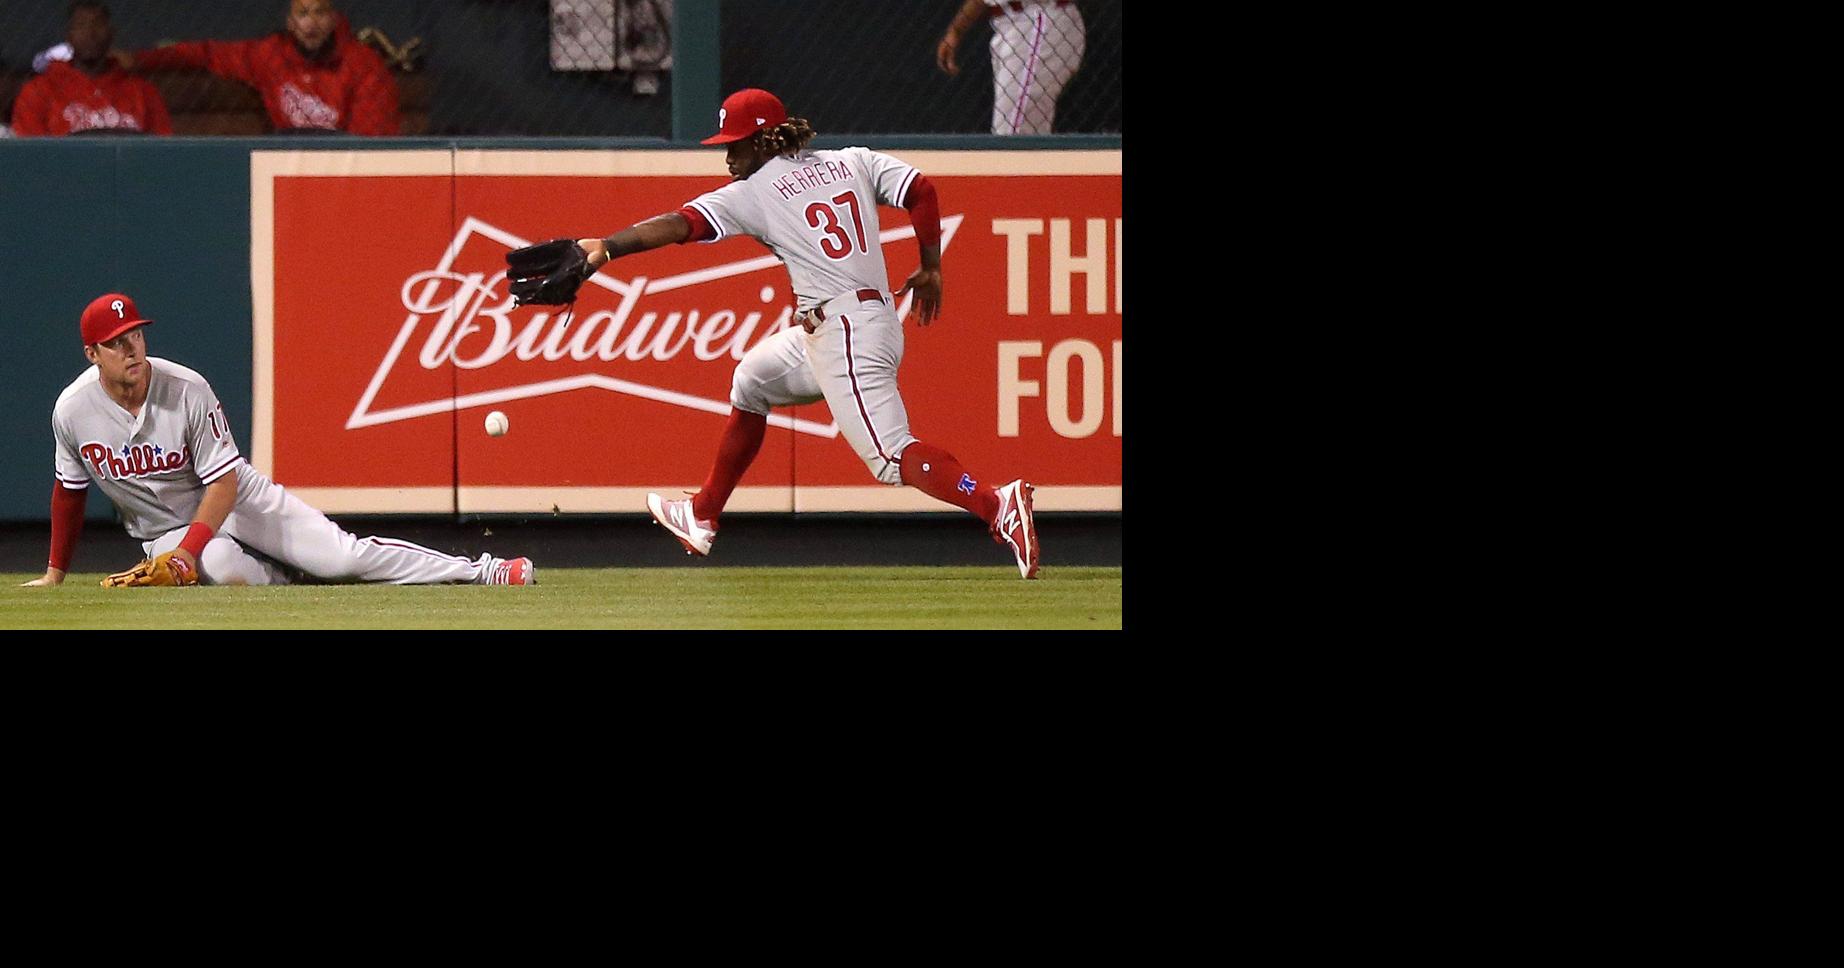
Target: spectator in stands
314 76
88 92
1036 47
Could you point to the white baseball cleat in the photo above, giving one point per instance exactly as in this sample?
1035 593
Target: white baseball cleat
1014 527
509 571
677 517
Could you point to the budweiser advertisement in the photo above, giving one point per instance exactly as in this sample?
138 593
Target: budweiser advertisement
384 334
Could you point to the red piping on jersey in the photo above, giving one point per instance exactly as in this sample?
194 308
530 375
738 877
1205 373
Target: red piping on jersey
212 475
66 523
924 211
853 372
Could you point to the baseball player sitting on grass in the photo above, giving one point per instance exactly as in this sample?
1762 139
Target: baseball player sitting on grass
817 211
153 436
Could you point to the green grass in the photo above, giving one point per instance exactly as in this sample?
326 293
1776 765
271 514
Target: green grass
601 598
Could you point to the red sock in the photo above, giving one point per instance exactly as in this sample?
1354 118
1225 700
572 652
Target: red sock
741 440
936 473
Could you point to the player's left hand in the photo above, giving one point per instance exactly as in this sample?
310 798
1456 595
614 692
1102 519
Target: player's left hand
547 274
598 251
927 286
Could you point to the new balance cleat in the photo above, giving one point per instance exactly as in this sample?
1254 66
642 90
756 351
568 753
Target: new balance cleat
1014 527
677 517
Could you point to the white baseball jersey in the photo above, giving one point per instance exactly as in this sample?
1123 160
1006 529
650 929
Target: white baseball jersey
153 466
817 211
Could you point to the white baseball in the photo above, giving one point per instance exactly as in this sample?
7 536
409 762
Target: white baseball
497 424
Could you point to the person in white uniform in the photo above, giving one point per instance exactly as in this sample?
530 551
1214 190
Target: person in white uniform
1036 47
817 212
153 436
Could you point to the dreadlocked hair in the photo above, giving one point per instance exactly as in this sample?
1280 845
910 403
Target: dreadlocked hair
788 137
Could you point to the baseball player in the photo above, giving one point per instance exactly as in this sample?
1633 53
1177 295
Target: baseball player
1036 47
817 211
153 436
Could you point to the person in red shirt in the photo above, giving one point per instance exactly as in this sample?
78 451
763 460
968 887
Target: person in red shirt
313 76
89 93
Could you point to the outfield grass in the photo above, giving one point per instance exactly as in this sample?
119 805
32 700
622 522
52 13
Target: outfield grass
601 598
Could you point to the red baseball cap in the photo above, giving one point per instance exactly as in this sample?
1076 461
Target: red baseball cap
108 316
746 112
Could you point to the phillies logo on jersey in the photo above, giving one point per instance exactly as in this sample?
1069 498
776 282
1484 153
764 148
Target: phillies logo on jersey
467 321
133 460
82 117
304 110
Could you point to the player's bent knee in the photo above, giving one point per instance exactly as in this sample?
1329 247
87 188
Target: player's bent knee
755 405
746 393
890 471
224 562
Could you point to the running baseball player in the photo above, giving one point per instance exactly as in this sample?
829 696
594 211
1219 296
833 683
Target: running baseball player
153 436
817 211
1036 47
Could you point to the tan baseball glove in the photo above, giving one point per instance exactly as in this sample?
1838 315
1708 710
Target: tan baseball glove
167 568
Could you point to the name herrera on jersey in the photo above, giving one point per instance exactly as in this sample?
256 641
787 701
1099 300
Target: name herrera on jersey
812 176
140 460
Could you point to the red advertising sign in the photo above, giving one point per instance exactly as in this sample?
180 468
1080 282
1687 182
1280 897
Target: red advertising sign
385 334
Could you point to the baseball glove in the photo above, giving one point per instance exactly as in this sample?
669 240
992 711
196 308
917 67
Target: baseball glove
167 568
547 274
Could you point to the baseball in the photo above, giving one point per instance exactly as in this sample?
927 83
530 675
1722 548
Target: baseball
497 424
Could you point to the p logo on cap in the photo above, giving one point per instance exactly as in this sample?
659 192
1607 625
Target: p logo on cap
733 119
108 316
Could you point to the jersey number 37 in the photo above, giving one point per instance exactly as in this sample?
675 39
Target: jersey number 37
834 241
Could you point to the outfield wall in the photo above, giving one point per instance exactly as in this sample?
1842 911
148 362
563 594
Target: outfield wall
358 342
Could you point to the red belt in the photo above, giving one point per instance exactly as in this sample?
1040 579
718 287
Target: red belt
1016 7
864 295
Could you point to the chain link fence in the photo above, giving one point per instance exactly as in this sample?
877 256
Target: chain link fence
851 66
579 68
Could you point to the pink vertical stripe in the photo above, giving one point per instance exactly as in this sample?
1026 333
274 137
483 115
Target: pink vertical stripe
1030 69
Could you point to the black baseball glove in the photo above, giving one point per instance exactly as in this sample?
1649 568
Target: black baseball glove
547 274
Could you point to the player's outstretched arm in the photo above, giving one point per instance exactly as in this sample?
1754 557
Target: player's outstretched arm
660 230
